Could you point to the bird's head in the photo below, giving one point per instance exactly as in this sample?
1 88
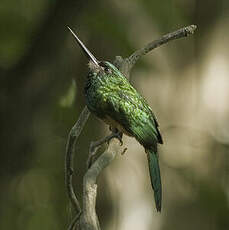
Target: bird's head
95 65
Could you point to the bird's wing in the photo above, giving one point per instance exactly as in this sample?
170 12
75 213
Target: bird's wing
129 109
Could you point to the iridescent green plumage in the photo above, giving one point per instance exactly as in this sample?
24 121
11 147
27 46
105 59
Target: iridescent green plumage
111 97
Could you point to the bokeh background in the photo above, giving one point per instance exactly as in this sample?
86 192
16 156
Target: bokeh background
186 82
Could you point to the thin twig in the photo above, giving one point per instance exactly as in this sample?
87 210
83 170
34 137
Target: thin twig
74 221
184 32
125 65
69 157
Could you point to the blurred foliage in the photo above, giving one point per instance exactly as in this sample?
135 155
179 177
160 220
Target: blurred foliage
41 93
69 97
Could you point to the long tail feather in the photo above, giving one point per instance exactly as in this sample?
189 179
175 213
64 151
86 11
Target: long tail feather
155 177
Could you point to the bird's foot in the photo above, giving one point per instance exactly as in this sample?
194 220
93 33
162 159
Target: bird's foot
95 145
118 135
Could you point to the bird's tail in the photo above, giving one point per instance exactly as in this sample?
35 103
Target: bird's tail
155 177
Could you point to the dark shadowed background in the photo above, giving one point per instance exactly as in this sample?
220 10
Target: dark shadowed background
186 82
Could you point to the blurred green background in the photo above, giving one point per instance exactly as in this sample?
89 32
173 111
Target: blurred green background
186 82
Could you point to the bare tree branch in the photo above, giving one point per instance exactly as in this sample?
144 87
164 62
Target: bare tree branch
69 157
74 221
125 65
89 219
183 32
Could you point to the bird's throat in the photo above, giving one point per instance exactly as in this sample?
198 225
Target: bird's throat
94 68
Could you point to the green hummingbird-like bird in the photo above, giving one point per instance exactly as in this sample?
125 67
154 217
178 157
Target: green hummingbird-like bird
111 97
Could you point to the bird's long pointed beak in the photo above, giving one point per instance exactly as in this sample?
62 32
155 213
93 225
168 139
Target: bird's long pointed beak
89 55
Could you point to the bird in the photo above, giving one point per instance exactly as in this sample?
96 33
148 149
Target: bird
111 98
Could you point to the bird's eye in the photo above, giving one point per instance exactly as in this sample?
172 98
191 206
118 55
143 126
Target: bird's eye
108 70
105 67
